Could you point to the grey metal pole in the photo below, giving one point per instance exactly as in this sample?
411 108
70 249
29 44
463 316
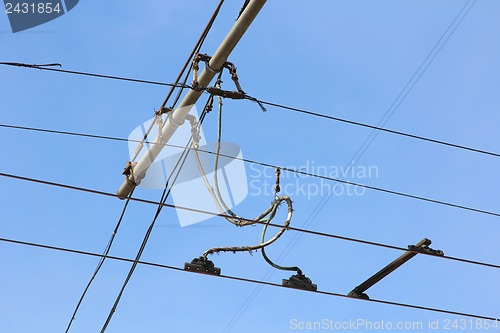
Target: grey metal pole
358 292
177 116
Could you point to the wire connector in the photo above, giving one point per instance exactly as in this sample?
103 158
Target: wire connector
129 169
357 294
202 265
163 110
425 249
299 281
225 93
277 186
37 66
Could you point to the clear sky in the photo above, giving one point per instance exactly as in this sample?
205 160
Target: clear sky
343 58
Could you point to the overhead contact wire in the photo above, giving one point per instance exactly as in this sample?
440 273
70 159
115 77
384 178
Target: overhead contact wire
328 293
306 231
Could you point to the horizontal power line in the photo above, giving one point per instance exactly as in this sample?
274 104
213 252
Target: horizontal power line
413 136
261 102
328 293
300 172
44 67
306 231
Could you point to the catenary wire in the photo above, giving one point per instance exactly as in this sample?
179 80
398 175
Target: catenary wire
169 145
408 135
450 30
381 129
283 168
446 35
102 76
421 138
377 129
242 279
301 230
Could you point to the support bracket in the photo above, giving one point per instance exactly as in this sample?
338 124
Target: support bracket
413 250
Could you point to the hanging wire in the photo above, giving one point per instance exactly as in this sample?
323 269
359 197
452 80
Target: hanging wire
101 262
266 216
217 152
275 205
263 243
162 203
158 120
263 235
217 198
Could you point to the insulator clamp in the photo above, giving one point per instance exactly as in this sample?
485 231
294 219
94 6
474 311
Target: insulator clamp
299 281
202 265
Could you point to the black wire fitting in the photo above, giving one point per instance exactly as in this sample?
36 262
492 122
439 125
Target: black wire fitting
202 265
425 249
225 93
358 294
163 110
19 64
239 94
206 59
299 281
128 170
277 186
196 67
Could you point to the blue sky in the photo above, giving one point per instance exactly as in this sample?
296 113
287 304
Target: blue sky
344 58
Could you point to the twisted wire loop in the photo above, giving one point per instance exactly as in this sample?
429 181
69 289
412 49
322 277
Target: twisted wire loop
274 207
264 218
